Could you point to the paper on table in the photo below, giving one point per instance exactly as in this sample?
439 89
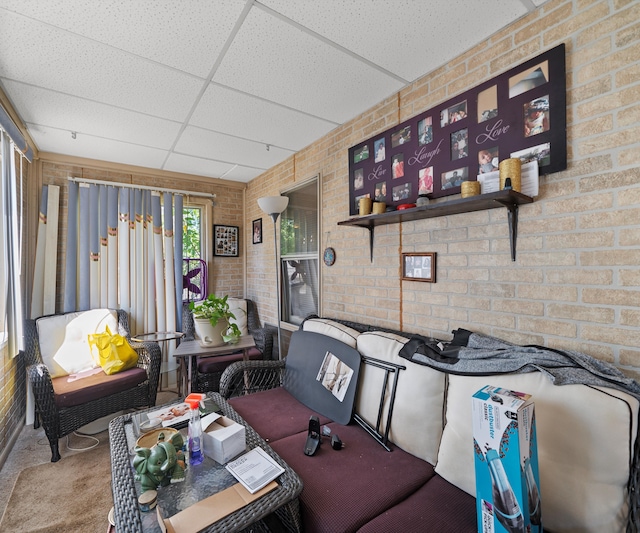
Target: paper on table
490 181
255 469
173 414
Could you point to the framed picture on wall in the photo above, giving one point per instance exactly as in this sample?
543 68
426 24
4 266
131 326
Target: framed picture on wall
257 231
520 114
225 241
419 267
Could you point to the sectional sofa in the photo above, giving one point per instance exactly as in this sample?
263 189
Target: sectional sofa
426 482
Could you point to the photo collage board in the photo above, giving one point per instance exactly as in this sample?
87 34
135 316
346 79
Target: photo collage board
520 113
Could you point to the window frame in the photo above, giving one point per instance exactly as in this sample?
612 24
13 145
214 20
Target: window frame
300 255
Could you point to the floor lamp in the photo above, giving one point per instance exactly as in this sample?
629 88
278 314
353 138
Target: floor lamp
273 206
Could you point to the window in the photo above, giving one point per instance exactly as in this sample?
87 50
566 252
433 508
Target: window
195 249
299 253
11 316
192 232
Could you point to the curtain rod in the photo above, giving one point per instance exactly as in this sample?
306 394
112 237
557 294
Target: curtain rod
131 186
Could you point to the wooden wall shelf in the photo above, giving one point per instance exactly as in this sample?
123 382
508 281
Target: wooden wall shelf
506 198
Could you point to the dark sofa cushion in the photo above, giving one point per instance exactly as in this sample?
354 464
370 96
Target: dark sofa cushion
344 489
274 413
436 506
80 391
218 363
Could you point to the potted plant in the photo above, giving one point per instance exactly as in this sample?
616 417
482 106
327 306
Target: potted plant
211 319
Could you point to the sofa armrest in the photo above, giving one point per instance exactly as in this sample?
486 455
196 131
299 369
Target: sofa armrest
246 377
149 358
40 379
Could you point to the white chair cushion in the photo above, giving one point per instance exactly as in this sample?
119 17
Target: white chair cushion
417 420
238 307
585 443
332 329
64 342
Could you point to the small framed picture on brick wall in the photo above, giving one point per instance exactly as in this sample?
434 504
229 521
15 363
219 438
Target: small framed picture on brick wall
257 231
419 267
225 241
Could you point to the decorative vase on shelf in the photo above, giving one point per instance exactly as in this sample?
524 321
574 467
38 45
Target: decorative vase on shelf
423 199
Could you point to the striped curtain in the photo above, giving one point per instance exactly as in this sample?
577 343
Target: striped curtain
121 254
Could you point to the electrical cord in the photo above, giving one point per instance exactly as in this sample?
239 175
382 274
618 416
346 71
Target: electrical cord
82 435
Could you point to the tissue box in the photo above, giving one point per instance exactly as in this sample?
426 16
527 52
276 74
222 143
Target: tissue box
222 438
506 462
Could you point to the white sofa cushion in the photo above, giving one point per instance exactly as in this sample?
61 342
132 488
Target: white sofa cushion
585 446
238 307
417 419
332 329
64 342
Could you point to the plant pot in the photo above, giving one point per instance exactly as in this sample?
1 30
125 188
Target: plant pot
209 335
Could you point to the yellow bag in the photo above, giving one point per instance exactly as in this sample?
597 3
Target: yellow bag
114 352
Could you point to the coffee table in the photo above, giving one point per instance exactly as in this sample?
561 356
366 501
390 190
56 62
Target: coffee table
188 351
201 481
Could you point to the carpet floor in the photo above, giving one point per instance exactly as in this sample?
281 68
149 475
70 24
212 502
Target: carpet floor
72 495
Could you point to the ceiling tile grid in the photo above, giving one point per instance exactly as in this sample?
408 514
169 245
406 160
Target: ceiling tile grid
205 87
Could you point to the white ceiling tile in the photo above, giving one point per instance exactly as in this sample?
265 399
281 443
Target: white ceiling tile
164 31
60 111
61 142
130 77
276 61
74 65
409 38
228 111
242 174
197 165
215 146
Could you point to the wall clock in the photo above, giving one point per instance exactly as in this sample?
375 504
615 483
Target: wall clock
329 256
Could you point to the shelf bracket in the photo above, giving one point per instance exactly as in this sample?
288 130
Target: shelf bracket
513 228
371 233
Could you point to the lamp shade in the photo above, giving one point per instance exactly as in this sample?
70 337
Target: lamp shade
273 204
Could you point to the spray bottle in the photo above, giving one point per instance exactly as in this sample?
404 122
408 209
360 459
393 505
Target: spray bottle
195 430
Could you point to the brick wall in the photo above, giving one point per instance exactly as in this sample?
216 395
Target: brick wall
576 281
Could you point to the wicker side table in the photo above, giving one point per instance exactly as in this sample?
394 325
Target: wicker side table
128 517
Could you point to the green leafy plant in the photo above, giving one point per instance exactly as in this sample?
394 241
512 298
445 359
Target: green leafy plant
215 309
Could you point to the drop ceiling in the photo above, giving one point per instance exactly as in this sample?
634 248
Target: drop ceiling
225 88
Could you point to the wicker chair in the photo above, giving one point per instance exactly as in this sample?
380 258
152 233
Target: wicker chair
210 381
61 415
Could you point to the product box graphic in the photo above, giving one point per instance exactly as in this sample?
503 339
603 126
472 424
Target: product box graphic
506 462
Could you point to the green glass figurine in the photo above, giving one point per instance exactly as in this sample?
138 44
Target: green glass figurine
161 464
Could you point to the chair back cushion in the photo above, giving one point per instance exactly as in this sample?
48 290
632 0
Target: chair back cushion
585 445
63 339
417 420
238 307
332 329
322 373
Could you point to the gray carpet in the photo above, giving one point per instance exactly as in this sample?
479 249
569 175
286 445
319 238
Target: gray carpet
72 495
31 450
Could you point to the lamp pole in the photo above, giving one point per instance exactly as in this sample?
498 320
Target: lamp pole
273 206
274 217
